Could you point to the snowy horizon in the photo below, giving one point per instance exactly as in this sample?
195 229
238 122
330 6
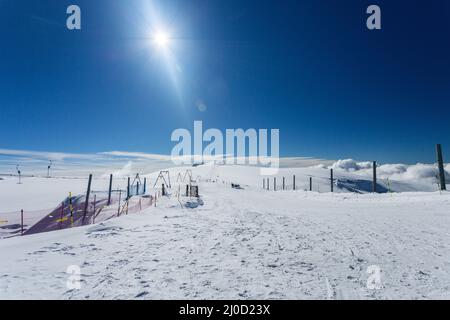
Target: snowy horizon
122 163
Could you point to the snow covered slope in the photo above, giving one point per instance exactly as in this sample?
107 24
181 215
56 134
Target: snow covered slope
246 244
39 196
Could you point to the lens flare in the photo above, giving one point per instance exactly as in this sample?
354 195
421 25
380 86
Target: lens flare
161 39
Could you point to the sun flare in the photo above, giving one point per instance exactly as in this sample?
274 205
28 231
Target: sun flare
161 39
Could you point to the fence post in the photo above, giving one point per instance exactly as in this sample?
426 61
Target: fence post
274 184
21 221
283 183
128 188
310 183
88 192
331 180
294 181
110 189
120 198
268 184
441 167
264 183
374 182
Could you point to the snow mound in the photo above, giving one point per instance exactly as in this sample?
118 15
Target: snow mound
102 227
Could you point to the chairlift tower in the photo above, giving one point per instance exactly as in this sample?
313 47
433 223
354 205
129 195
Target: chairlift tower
48 168
19 173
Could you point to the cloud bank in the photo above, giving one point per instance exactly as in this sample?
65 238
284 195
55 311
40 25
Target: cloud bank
123 163
392 171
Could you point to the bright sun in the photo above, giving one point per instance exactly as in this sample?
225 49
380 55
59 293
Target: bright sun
161 39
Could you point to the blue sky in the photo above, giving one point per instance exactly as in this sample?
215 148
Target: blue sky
310 68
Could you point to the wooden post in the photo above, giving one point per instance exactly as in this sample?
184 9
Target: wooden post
140 205
283 183
110 189
268 184
441 167
128 188
374 181
294 182
21 220
264 183
310 183
331 180
274 184
88 192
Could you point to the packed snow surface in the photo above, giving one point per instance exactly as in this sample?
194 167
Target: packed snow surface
244 243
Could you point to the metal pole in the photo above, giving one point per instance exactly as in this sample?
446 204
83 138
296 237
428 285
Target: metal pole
88 192
283 183
331 180
294 181
145 185
110 189
21 219
264 183
128 188
441 167
120 196
310 183
374 182
274 184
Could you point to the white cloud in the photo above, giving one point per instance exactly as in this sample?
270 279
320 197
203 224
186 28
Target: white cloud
138 155
350 165
125 171
392 171
56 156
